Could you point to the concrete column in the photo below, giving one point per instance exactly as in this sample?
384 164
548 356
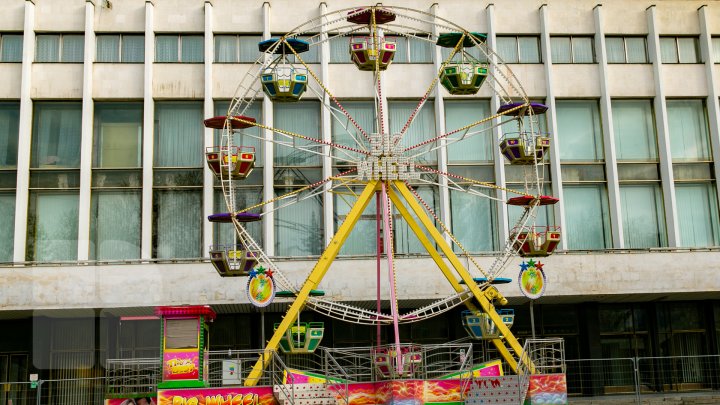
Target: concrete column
445 215
87 134
609 139
148 132
325 127
24 138
209 111
268 156
712 98
555 171
503 227
663 132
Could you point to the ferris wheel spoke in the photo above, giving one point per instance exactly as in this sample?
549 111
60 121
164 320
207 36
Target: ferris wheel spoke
472 181
466 127
332 97
429 90
299 136
317 184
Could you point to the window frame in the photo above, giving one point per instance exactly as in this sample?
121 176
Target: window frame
61 44
625 52
119 46
676 40
572 49
238 49
2 40
517 49
179 37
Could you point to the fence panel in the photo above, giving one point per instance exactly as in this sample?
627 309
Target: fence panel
597 377
18 393
679 373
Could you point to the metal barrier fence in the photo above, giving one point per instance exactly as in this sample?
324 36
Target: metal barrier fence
643 376
634 379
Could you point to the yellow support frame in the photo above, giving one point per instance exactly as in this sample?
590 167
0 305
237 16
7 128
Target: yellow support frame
436 236
400 199
312 281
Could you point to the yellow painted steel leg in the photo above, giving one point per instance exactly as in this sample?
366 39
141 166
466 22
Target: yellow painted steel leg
464 275
428 245
312 281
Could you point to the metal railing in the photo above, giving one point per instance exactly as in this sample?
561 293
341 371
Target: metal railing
633 379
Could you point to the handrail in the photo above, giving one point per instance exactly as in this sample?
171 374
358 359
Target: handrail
330 361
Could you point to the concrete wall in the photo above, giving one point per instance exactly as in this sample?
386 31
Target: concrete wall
570 278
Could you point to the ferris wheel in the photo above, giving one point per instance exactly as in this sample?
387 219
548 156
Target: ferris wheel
386 164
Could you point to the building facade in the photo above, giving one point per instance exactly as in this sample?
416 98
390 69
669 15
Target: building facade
104 191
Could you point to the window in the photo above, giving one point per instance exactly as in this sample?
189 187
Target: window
179 48
580 142
474 221
177 223
181 333
177 180
344 132
716 49
120 48
56 135
412 49
405 240
301 118
587 216
626 49
118 135
635 137
474 145
695 192
65 48
679 50
519 49
52 226
697 209
116 181
178 134
9 130
363 238
299 226
11 47
237 48
579 131
421 129
54 182
7 226
687 123
340 49
115 224
643 216
571 49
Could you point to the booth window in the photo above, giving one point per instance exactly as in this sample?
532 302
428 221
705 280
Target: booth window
181 334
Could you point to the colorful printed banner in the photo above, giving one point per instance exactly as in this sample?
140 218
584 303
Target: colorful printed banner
218 396
181 365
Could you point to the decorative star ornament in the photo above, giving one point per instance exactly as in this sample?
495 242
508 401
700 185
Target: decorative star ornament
539 265
523 266
253 273
269 273
531 263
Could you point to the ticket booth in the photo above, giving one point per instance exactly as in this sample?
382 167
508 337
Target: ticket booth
185 346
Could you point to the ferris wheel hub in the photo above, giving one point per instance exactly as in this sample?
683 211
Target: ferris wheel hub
387 160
